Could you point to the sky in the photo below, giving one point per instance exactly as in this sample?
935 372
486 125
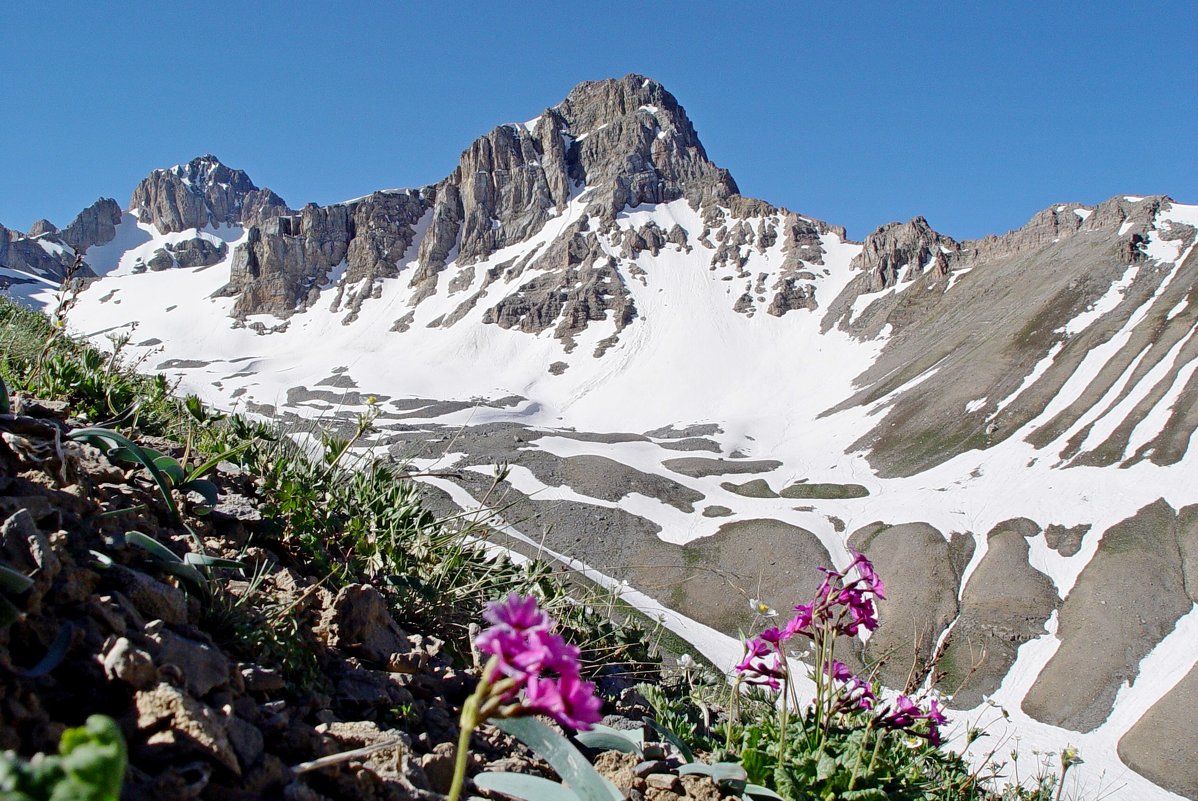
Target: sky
974 115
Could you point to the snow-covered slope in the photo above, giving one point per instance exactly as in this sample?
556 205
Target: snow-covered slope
708 396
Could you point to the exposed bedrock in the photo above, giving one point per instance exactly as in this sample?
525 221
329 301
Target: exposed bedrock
95 225
200 193
922 571
981 340
1126 600
1004 604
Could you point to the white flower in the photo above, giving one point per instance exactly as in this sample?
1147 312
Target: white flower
762 608
686 662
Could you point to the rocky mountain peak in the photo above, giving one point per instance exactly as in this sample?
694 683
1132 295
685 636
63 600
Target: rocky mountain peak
901 251
631 137
200 193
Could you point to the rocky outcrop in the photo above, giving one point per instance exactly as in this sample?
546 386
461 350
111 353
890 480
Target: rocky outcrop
95 225
200 193
41 227
901 251
44 257
576 283
284 260
631 139
1005 603
921 595
1108 622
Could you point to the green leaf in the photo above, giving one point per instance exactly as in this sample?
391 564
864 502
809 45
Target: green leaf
153 546
170 466
14 581
564 758
204 560
103 435
826 767
94 759
757 791
525 787
720 771
865 794
215 460
204 487
9 614
4 407
168 560
674 740
730 776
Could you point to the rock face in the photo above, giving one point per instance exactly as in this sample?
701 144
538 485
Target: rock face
921 595
286 259
1004 604
900 252
1004 306
95 225
1108 623
200 193
44 258
626 140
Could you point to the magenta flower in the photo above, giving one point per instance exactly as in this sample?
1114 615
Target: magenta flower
774 635
523 648
517 612
569 700
865 569
838 670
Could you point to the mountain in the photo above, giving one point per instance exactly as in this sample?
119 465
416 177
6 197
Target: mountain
708 396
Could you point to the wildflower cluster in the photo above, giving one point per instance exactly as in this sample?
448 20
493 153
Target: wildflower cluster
523 649
843 605
527 657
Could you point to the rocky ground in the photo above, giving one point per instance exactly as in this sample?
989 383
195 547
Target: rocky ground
106 629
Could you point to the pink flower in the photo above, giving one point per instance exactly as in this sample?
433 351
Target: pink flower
865 569
518 612
774 635
838 670
569 700
524 649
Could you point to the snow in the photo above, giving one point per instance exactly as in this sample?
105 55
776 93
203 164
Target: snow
766 381
53 248
1101 307
1083 213
1038 370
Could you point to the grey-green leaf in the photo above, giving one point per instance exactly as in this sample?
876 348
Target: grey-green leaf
155 548
525 787
674 740
605 738
564 758
13 580
757 791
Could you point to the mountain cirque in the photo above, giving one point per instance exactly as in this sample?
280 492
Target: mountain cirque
707 395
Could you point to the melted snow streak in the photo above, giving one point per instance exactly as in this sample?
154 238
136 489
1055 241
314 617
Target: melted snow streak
767 382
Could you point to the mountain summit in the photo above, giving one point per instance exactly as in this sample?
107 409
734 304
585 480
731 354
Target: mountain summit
696 389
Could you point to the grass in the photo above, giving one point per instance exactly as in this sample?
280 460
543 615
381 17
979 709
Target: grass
824 491
344 517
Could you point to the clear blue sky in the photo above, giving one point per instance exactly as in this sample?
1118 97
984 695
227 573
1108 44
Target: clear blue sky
974 115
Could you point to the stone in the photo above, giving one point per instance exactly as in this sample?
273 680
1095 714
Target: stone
152 598
360 623
178 724
130 664
204 667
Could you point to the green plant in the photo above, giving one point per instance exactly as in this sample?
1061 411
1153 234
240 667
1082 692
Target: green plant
90 766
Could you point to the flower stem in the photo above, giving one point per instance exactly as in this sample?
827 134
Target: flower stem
468 722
